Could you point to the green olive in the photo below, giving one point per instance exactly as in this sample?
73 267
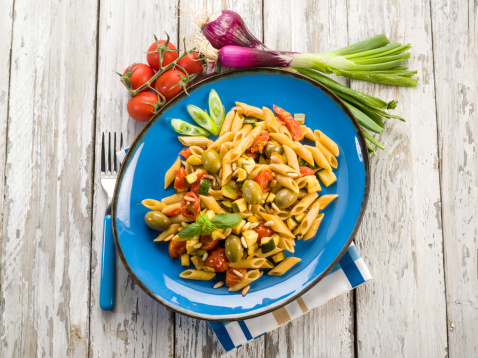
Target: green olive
211 160
234 249
285 198
252 192
273 147
156 220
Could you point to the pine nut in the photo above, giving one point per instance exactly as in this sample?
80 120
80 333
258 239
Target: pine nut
237 273
273 174
253 225
191 200
243 242
169 238
268 210
234 166
269 223
249 208
245 227
274 206
198 246
204 257
227 232
219 284
207 176
293 175
245 290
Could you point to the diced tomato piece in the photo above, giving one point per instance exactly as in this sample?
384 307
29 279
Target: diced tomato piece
173 212
217 260
260 142
195 185
263 231
263 179
190 209
251 155
186 153
179 182
232 279
292 125
305 171
208 243
176 249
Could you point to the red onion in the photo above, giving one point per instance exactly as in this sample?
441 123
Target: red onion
237 56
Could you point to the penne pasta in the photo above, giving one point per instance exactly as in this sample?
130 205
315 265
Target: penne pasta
287 182
172 230
175 198
270 121
314 227
171 207
284 266
257 169
247 279
195 150
170 175
309 217
245 143
178 219
285 131
328 143
189 168
237 123
227 137
267 265
191 274
278 225
246 129
319 157
283 169
291 158
253 263
325 200
327 177
153 204
226 171
307 132
301 182
283 215
211 204
328 156
304 204
250 111
226 125
190 141
286 244
298 148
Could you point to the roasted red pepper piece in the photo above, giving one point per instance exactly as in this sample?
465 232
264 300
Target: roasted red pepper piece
292 125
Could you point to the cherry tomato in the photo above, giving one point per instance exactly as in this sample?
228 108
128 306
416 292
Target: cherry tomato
168 57
186 153
251 155
263 231
232 279
208 243
138 108
263 179
166 81
305 171
190 63
217 260
195 185
292 125
190 209
173 212
140 74
176 249
260 142
179 182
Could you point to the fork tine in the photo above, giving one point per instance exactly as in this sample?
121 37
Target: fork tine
121 143
109 152
115 161
103 161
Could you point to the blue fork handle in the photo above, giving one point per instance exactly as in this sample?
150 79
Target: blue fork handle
108 269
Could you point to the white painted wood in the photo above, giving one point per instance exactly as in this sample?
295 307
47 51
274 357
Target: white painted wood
455 37
138 325
194 338
401 312
45 256
6 20
306 27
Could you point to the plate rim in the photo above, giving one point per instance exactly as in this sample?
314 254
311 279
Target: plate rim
154 119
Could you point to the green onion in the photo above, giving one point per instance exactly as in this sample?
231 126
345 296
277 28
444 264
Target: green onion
202 118
186 128
216 109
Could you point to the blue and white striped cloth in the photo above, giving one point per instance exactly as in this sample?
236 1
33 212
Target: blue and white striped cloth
349 273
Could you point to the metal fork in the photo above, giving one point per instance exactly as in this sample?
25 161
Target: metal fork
109 172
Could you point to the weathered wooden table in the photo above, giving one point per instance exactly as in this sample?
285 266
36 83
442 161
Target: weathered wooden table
58 93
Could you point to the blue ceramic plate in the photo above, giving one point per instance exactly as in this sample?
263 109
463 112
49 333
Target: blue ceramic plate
156 148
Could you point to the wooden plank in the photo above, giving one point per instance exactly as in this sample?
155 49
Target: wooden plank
138 325
194 338
45 267
403 309
455 36
305 27
6 20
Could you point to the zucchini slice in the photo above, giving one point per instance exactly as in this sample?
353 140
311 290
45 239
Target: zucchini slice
204 186
267 244
228 192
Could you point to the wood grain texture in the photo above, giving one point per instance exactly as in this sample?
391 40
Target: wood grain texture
194 338
138 326
402 311
46 232
305 27
6 20
455 40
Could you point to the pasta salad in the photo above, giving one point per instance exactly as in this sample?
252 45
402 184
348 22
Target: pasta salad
243 200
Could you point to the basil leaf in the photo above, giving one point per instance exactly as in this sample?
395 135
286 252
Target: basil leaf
202 219
190 231
206 227
226 221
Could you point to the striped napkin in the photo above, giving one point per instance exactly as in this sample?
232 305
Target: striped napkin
349 273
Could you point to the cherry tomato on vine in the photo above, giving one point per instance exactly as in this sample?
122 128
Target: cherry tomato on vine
138 109
167 80
190 63
139 74
176 249
168 57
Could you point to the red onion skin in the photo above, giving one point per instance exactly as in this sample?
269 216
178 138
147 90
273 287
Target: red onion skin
229 29
238 57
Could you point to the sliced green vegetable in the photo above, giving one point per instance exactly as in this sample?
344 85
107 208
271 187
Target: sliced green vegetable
228 192
202 118
250 120
216 109
239 206
186 128
241 176
278 257
204 186
226 204
191 178
267 244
